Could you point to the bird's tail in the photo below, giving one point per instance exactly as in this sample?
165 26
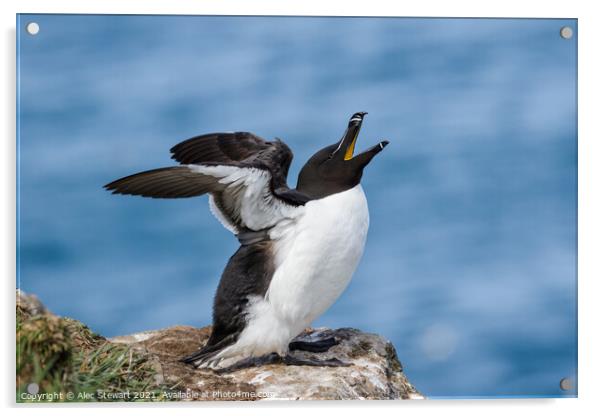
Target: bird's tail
208 356
199 358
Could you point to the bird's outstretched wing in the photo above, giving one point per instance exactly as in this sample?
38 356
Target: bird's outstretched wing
244 174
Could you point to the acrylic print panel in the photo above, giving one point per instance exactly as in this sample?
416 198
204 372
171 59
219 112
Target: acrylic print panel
469 265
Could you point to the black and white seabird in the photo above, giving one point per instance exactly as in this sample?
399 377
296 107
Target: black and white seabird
299 247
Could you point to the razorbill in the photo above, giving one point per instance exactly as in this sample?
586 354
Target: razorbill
299 247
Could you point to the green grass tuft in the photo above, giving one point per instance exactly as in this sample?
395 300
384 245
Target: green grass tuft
69 362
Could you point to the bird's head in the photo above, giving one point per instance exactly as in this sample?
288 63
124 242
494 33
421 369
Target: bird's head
335 168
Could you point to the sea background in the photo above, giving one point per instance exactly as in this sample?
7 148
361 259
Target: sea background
470 264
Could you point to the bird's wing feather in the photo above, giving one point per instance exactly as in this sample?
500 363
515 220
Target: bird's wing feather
220 148
247 199
171 182
245 175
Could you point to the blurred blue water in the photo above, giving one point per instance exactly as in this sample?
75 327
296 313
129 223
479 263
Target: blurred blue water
470 266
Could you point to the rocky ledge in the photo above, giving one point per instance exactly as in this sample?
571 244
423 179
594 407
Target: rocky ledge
374 373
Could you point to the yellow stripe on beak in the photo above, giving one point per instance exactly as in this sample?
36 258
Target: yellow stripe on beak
351 148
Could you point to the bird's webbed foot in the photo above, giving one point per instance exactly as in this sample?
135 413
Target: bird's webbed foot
330 362
275 358
249 362
321 345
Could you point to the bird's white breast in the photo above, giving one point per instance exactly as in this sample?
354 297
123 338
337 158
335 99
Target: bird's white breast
315 255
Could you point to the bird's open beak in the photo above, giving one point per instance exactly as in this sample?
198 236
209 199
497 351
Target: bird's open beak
347 143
